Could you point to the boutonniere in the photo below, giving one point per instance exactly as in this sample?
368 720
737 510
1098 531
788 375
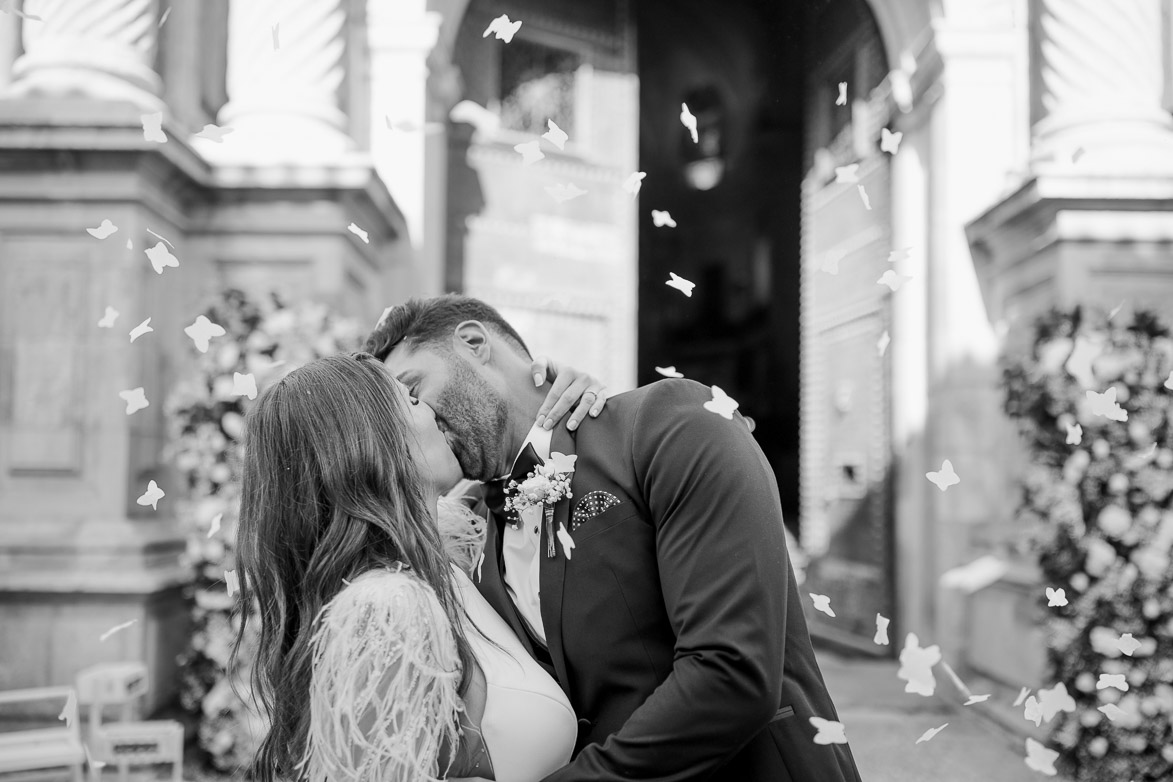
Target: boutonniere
545 486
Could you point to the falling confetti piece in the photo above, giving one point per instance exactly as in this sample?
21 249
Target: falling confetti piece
689 121
244 385
561 462
661 219
202 332
565 539
135 398
945 477
1077 154
232 581
1112 711
69 710
1152 451
163 18
153 127
1127 644
893 279
129 244
899 255
976 699
555 135
916 666
472 113
841 100
971 577
103 230
8 7
90 761
1051 702
107 321
669 371
162 239
881 637
152 496
1021 696
1116 680
928 734
1040 759
563 193
829 731
1074 434
1032 711
161 258
822 603
502 28
960 685
115 629
530 152
276 37
140 329
722 404
1169 382
680 284
633 183
214 133
901 84
863 196
1056 597
1115 309
402 126
883 342
215 524
1105 405
360 233
889 141
383 317
847 175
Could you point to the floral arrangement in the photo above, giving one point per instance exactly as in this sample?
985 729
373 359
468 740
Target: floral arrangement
205 420
545 485
1094 401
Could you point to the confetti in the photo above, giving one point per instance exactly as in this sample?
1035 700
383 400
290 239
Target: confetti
863 196
562 462
828 731
916 666
1052 701
1039 758
129 244
401 126
633 183
1056 597
928 734
1074 434
883 342
1112 711
232 581
103 230
1077 154
152 496
1152 451
1115 310
115 629
107 321
135 398
901 84
163 239
822 603
841 100
163 18
8 7
1127 644
971 577
722 404
530 152
383 317
1079 363
976 699
1033 711
502 28
899 255
1021 696
661 219
563 193
1105 405
555 135
70 709
680 284
214 133
360 233
202 331
153 127
471 113
881 637
889 141
945 477
140 329
161 257
669 371
565 539
215 524
1169 382
244 385
276 37
847 175
1116 680
689 121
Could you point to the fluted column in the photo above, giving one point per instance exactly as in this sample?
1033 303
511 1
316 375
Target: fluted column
1098 73
284 99
97 48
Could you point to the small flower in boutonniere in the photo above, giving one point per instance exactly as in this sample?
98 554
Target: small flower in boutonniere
545 486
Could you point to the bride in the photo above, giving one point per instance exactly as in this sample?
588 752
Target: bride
378 658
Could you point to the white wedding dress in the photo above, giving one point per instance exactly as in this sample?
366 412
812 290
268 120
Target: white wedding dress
384 695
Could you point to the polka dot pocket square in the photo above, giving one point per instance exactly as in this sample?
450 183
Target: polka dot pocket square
590 506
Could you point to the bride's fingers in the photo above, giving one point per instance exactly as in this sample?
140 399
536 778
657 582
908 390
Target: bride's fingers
587 403
538 368
564 391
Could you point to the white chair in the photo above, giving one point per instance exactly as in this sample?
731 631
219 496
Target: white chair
58 746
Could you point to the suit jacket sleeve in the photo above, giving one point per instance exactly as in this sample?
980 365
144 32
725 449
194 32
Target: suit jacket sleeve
721 553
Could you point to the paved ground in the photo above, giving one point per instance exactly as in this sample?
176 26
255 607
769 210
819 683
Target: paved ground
882 723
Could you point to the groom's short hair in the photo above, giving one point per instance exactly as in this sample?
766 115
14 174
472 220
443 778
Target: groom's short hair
430 322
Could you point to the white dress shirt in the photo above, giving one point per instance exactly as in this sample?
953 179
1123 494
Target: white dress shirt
519 548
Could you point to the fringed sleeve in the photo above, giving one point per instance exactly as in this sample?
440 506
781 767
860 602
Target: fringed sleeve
461 530
384 695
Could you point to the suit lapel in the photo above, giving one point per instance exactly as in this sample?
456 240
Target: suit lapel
492 583
552 571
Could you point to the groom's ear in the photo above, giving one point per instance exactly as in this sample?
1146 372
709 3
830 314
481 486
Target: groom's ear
471 338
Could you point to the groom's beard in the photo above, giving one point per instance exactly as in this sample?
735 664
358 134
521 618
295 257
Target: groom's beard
475 417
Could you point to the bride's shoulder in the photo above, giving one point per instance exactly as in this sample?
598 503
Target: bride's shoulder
394 596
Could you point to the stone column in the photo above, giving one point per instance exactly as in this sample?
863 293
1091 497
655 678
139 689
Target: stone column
284 100
97 48
1098 75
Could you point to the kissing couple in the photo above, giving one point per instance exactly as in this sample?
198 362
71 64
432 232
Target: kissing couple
616 603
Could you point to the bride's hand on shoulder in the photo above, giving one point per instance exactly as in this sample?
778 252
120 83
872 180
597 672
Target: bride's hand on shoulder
569 388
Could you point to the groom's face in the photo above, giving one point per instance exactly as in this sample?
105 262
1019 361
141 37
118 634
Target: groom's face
470 413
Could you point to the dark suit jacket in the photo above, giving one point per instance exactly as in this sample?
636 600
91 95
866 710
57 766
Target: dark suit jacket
675 626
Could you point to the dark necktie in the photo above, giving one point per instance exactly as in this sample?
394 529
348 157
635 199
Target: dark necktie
495 490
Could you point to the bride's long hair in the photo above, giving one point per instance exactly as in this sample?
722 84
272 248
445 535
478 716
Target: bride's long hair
330 490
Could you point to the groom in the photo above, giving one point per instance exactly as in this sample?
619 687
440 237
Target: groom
660 595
